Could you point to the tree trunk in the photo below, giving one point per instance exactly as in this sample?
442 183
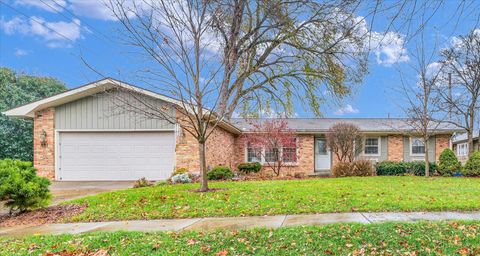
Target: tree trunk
203 167
427 160
470 142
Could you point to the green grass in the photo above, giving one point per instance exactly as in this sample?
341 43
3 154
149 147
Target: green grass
285 197
422 238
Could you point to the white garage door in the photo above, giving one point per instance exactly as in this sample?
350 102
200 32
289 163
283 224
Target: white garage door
115 155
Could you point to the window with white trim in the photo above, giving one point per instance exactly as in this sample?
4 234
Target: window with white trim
462 149
289 152
271 155
254 154
417 146
372 146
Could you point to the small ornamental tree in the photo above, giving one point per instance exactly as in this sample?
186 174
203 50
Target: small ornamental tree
274 142
448 163
345 141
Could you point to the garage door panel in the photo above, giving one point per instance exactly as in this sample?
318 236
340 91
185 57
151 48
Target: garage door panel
116 155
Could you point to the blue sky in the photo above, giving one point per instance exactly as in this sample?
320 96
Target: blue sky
85 30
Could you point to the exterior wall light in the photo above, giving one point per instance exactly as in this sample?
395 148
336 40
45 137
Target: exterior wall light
43 138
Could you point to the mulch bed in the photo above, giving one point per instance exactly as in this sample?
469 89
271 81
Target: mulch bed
47 215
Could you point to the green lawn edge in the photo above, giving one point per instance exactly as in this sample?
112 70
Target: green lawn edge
258 198
420 238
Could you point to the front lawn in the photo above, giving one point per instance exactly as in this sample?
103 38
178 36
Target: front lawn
423 238
285 197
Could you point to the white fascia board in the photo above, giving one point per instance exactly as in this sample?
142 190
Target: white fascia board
27 110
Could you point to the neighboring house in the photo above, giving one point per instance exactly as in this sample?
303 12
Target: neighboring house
81 135
460 145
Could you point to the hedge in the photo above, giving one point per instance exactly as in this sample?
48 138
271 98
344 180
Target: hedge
401 168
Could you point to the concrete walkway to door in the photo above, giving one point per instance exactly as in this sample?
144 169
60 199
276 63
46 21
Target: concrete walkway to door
232 223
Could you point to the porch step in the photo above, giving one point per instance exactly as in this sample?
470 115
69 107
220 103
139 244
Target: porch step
321 174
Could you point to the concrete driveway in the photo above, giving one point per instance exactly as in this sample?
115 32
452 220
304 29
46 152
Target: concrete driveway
67 190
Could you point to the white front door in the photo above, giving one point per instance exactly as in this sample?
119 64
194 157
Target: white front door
91 156
322 155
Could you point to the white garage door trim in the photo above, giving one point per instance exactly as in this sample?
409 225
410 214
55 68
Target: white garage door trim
59 133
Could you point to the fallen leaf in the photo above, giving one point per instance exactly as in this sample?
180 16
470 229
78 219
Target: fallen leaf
222 253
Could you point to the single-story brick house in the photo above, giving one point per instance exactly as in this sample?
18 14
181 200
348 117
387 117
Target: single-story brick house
77 136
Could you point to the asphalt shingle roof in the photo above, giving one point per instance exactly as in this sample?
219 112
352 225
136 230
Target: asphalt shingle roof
323 124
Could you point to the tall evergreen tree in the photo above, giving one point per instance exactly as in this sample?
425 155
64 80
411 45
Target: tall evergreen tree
16 135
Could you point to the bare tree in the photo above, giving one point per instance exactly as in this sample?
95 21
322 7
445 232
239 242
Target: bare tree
345 141
214 55
461 71
421 104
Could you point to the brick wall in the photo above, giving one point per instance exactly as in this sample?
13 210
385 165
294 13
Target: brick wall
441 142
220 150
44 155
305 162
395 148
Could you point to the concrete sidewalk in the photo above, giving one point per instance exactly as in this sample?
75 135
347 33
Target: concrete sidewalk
232 223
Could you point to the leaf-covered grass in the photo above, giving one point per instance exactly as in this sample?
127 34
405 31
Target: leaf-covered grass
422 238
285 197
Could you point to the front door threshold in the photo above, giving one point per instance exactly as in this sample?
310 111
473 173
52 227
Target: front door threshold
321 173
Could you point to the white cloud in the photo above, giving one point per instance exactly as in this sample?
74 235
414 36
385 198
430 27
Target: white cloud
14 25
20 52
56 34
95 9
348 109
47 5
99 9
389 48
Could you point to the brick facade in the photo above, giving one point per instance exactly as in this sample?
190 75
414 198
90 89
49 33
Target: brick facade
223 148
395 148
44 142
220 149
441 142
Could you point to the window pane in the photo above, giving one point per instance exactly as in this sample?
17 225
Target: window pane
371 146
418 147
321 147
271 155
289 152
254 154
289 155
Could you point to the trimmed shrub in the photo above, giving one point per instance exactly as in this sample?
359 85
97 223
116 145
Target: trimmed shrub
142 182
249 167
363 168
356 168
390 168
179 171
220 173
181 178
20 186
448 163
342 169
472 167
